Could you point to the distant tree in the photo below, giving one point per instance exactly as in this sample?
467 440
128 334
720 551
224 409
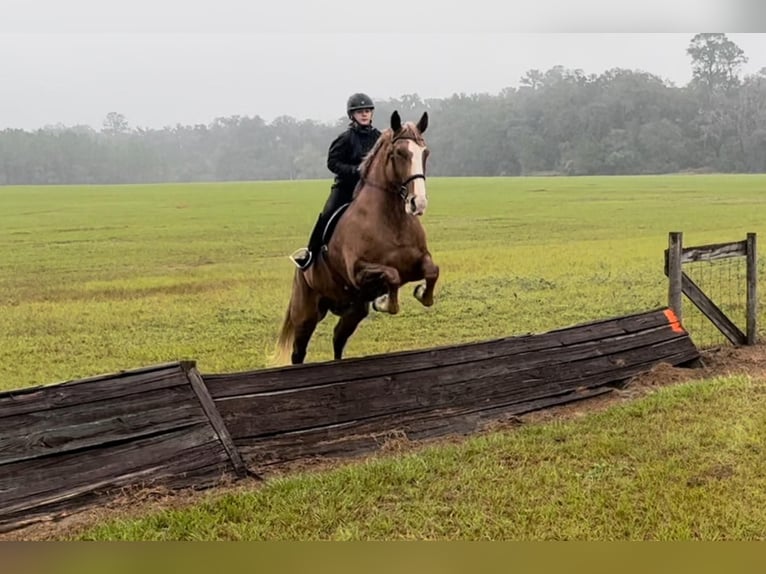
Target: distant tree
716 62
751 121
558 120
114 124
532 79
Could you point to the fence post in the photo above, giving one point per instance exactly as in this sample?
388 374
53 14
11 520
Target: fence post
675 246
752 299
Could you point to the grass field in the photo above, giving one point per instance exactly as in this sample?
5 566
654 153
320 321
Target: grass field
99 279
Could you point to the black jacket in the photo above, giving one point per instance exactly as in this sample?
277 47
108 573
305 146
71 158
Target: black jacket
347 151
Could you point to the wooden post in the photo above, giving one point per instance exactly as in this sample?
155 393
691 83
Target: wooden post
208 406
752 299
675 246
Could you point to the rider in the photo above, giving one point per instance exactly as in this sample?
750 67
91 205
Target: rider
343 159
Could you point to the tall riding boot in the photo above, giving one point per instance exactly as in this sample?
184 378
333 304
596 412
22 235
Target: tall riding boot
305 256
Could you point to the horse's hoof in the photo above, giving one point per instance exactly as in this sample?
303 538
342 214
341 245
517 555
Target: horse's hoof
418 292
380 304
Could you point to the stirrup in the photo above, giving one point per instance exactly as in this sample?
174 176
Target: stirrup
302 258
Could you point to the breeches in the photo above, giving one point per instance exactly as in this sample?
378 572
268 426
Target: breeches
338 196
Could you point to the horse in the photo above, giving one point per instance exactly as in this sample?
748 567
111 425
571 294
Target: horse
378 245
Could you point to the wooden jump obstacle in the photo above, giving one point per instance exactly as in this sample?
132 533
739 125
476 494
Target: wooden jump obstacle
67 446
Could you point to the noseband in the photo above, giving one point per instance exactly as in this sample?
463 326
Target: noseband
403 187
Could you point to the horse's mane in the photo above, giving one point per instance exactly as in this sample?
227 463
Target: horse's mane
385 139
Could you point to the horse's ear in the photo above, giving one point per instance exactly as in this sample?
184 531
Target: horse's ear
423 123
396 121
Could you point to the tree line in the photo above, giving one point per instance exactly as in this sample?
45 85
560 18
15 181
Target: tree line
559 121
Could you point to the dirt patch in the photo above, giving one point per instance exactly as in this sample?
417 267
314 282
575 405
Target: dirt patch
718 472
719 361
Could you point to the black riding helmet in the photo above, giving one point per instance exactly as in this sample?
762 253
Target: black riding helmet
359 101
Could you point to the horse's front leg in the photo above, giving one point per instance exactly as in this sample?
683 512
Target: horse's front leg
373 277
388 302
425 293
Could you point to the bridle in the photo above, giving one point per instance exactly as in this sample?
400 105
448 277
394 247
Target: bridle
403 187
403 192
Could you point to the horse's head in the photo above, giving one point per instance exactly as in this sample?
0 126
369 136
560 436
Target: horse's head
407 162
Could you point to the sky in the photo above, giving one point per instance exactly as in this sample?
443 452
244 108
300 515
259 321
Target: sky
163 62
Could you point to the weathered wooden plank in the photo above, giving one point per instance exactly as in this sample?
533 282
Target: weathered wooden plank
101 388
366 435
712 312
74 414
714 251
75 427
64 445
196 468
283 378
197 476
510 398
609 327
449 374
167 455
150 370
492 384
215 418
363 437
198 472
485 381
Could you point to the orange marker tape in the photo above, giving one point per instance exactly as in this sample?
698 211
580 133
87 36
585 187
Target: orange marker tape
675 324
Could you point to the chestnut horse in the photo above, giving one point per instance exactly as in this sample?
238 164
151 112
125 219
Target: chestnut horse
378 245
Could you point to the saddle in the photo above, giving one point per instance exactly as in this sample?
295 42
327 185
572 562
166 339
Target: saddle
332 222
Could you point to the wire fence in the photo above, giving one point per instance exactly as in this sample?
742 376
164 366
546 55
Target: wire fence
724 282
724 276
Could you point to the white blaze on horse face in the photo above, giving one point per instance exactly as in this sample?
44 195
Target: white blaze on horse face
417 202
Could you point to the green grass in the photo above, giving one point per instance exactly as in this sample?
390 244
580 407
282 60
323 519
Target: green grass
99 279
686 463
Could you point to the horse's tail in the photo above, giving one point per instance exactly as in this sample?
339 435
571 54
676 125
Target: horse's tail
284 347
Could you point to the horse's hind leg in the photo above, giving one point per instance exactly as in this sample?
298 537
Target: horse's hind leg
305 320
304 329
425 293
346 327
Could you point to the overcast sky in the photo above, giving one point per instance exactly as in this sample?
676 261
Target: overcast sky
163 62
